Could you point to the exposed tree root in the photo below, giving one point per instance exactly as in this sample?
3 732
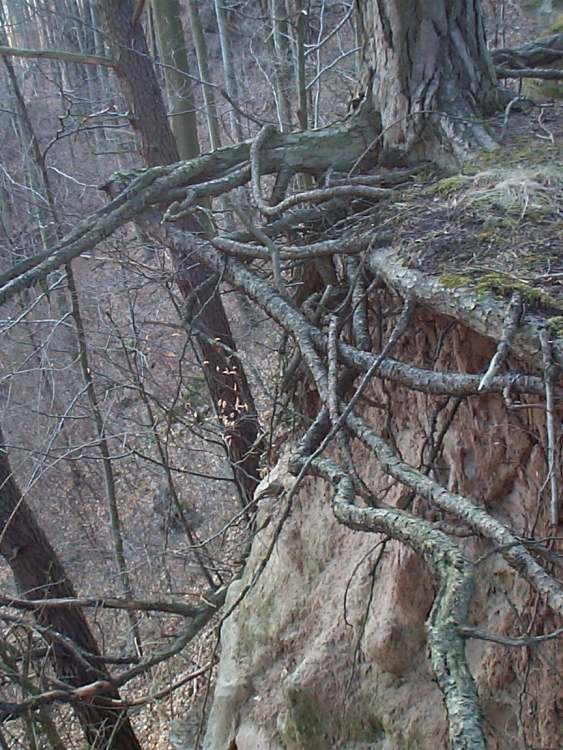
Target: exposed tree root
483 314
532 60
476 518
454 575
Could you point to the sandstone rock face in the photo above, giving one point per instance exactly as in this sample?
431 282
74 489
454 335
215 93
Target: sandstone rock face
328 649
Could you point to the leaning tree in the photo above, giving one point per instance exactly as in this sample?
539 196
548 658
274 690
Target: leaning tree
427 83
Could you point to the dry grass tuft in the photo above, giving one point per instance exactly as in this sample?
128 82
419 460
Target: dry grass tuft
518 191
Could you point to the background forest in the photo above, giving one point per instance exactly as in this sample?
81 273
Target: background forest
107 421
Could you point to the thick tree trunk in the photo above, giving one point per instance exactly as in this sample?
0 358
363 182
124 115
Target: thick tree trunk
39 574
223 371
282 63
428 71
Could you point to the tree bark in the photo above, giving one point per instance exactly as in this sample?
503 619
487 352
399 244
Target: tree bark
428 71
223 370
39 574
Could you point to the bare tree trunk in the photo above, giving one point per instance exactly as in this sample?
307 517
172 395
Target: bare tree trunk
203 65
228 65
282 63
39 574
173 54
300 75
222 368
107 465
99 47
34 166
429 74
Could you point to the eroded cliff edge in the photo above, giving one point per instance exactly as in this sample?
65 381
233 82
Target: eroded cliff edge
328 649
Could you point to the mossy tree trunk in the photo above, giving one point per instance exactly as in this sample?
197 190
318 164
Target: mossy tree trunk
428 72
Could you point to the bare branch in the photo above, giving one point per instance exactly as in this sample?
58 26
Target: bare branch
513 315
56 54
545 74
31 605
85 693
341 145
504 640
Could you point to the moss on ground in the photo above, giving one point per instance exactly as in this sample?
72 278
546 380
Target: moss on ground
455 280
448 185
555 325
557 26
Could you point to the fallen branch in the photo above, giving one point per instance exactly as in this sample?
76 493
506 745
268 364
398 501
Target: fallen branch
536 54
545 74
339 145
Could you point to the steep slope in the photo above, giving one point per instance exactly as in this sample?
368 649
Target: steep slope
328 648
